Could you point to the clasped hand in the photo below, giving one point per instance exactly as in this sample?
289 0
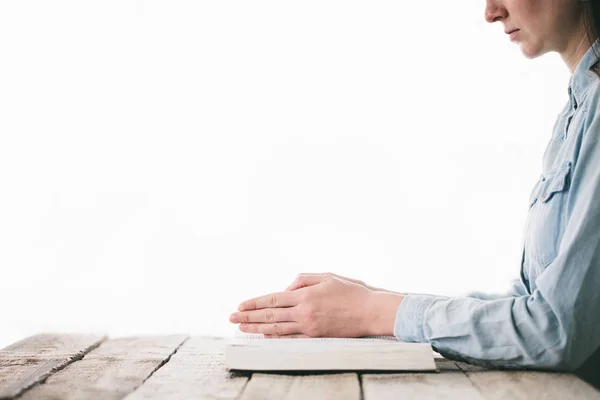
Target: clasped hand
315 305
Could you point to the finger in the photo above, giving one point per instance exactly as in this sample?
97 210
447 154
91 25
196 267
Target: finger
267 315
279 328
304 280
298 336
296 283
273 300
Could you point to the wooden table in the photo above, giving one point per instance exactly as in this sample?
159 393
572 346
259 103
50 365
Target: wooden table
60 366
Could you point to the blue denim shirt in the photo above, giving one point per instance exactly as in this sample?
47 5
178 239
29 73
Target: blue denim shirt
550 318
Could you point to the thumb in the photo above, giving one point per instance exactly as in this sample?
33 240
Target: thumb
306 280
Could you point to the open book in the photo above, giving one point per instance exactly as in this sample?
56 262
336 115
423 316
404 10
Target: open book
375 353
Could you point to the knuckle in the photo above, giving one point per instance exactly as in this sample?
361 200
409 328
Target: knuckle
302 296
312 330
269 315
278 329
307 314
272 301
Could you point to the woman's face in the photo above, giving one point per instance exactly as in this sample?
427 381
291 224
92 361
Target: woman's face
543 25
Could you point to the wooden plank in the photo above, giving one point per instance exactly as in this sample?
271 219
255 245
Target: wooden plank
344 386
31 360
111 371
469 367
196 371
450 383
443 364
495 384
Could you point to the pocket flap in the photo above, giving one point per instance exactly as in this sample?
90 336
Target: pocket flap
536 191
556 182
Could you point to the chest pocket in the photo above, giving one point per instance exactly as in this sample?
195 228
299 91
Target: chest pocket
547 216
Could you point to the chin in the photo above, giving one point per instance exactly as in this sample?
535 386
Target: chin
529 55
532 51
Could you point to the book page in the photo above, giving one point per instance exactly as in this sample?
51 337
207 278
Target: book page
255 352
242 338
241 334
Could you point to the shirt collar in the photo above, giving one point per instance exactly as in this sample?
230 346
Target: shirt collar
583 77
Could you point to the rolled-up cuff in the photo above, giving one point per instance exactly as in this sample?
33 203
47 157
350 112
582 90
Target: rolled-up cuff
408 326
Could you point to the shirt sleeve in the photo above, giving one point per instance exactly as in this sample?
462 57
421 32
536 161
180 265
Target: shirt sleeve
557 326
516 289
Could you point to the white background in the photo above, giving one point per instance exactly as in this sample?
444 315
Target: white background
160 162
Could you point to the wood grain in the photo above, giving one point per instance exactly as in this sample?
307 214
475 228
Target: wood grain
443 364
31 360
196 371
300 387
111 371
494 384
447 384
60 366
469 367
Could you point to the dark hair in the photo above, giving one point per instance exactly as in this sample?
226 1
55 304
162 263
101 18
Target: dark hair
591 21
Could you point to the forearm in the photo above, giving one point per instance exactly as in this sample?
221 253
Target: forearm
515 332
516 289
510 332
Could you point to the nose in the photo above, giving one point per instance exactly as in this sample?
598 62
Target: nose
495 11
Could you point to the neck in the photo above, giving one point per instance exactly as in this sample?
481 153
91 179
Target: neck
574 50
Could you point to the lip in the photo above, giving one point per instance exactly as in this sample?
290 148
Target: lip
513 34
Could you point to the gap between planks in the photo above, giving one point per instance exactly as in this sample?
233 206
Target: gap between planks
111 371
32 360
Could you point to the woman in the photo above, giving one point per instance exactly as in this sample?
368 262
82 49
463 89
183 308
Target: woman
550 319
